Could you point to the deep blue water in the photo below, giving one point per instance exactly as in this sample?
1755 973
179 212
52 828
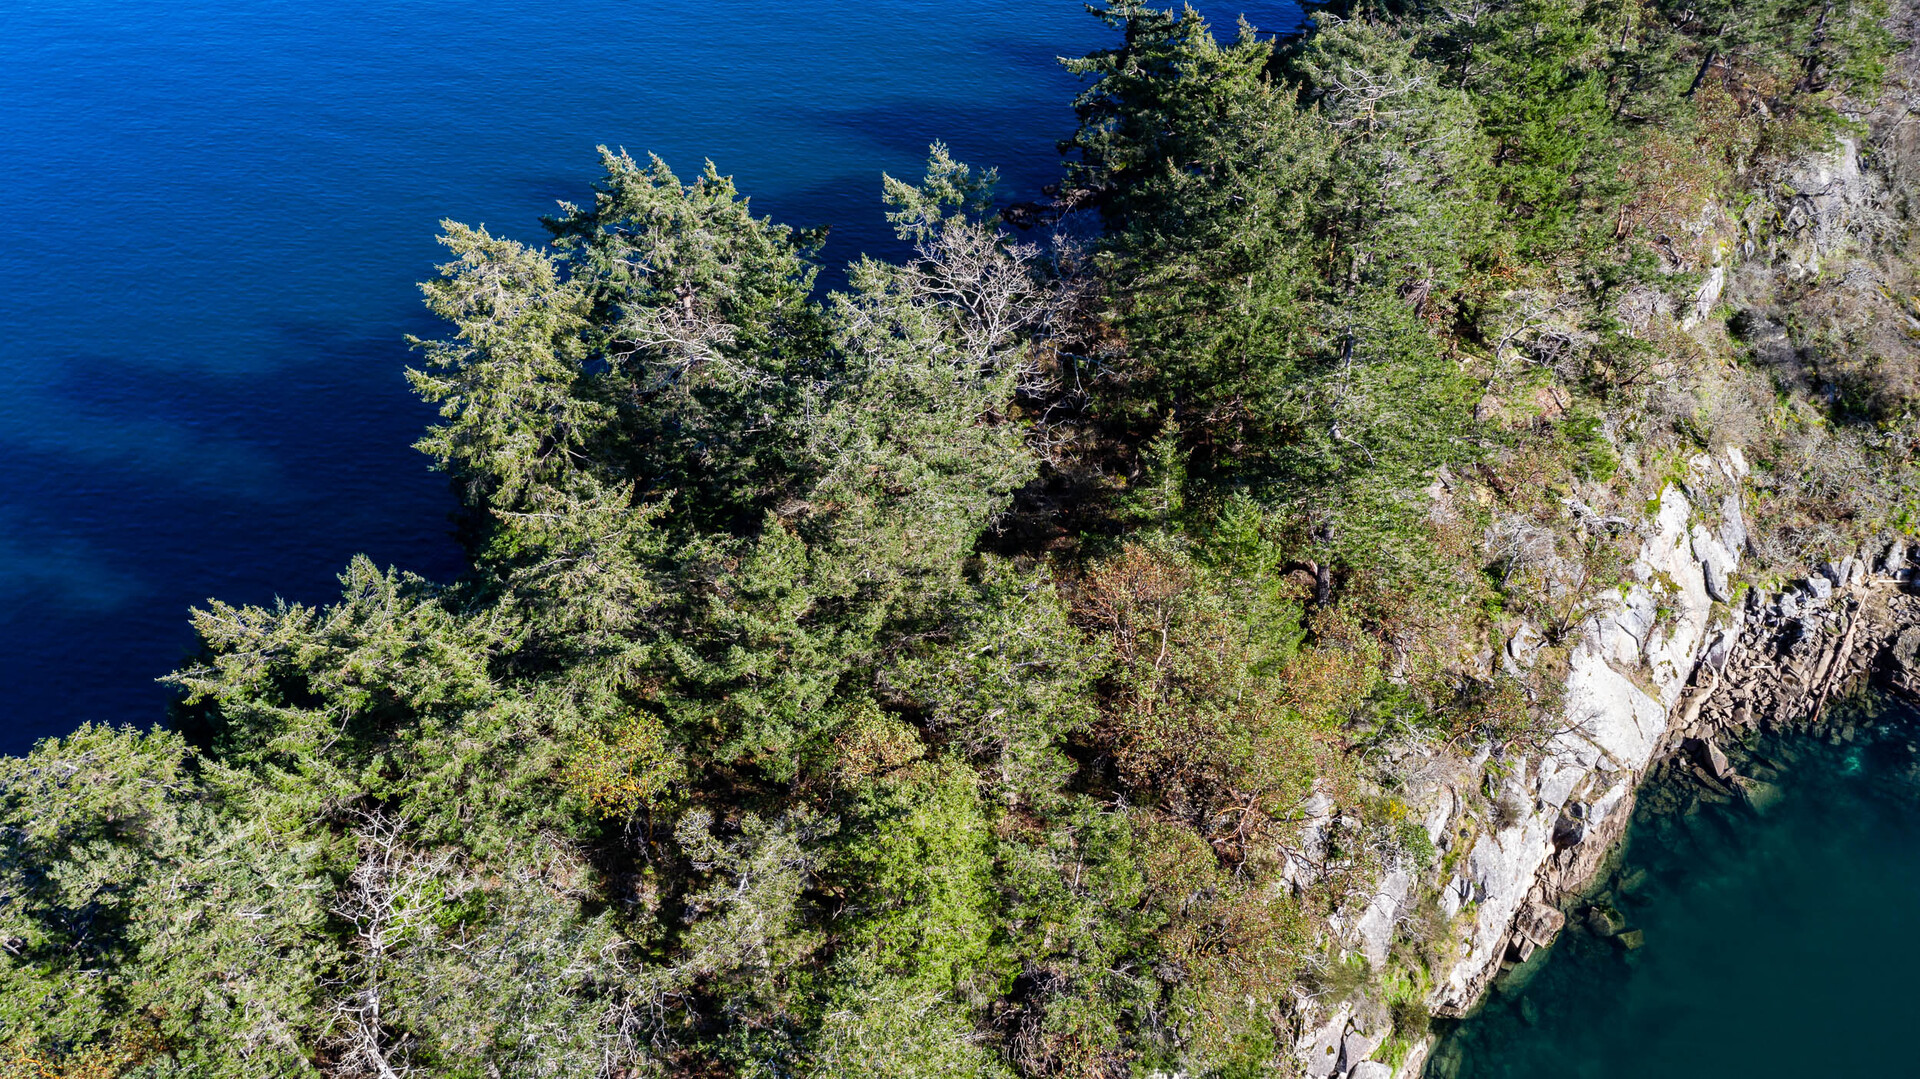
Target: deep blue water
1778 945
214 213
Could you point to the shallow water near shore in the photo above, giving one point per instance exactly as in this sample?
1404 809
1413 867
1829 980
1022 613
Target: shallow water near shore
1782 943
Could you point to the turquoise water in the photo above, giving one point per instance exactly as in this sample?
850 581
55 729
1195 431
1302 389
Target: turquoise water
214 213
1783 944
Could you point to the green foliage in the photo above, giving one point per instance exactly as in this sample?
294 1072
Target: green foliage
1278 255
753 744
919 877
130 874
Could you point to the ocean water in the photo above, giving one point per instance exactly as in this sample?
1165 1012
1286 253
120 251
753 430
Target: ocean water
213 214
1778 945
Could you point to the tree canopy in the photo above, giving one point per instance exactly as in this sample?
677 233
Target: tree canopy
987 669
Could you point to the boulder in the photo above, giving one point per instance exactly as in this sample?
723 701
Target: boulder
1906 649
1513 980
1357 1047
1540 922
1895 560
1820 588
1710 757
1370 1069
1604 921
1720 649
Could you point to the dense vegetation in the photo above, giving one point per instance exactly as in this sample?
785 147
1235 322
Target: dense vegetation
930 678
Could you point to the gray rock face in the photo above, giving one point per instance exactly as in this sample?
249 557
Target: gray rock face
1703 300
1323 1050
1831 190
1570 829
1358 1046
1733 524
1626 673
1375 927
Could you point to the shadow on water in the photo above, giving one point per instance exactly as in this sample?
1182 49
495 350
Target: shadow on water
216 212
1727 940
227 486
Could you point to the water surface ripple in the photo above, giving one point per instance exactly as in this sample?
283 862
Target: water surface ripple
215 212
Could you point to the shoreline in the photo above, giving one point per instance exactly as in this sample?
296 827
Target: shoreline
1799 650
1673 661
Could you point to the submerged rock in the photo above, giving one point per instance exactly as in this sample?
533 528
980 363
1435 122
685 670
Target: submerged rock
1446 1061
1605 921
1711 757
1513 980
1632 939
1761 796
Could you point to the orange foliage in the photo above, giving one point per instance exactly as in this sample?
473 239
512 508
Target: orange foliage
1210 709
1677 170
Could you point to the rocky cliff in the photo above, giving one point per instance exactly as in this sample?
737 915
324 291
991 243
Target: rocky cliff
1517 844
1680 655
1674 662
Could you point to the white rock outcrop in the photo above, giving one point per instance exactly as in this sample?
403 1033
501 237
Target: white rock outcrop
1633 660
1634 657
